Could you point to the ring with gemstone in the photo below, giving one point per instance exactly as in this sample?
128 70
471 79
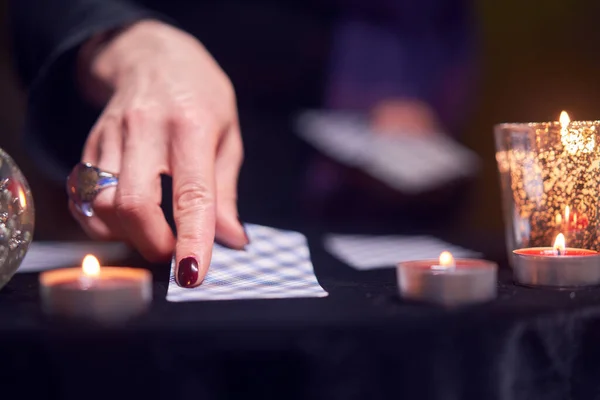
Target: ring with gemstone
85 182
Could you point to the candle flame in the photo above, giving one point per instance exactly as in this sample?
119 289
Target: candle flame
564 119
558 219
576 139
90 266
447 260
567 213
559 244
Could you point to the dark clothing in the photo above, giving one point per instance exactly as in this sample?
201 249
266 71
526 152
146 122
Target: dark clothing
281 56
380 47
274 51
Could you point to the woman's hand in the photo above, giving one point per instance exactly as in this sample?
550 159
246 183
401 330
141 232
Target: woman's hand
396 116
170 109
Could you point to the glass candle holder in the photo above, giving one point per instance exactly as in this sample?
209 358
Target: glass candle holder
549 176
17 217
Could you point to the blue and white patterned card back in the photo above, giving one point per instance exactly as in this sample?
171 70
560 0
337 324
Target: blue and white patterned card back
405 162
276 264
366 252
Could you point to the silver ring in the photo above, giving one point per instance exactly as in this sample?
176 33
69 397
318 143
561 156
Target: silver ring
85 182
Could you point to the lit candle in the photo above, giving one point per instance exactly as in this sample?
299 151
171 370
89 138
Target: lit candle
446 262
543 167
558 266
448 281
90 271
92 292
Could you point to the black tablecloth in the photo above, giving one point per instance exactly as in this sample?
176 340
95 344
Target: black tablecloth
361 342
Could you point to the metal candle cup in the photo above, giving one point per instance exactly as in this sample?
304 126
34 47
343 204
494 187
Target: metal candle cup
467 281
543 267
558 267
110 295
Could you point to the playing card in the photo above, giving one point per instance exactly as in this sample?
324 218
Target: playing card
340 135
406 162
370 252
43 256
276 264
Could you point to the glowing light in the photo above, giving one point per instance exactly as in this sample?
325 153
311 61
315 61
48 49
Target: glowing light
22 199
564 119
576 138
559 244
446 260
90 266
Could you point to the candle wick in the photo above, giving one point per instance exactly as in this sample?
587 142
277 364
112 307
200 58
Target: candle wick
558 251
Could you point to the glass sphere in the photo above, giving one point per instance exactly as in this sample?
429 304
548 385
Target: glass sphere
17 216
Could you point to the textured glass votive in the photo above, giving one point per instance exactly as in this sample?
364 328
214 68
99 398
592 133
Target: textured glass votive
549 174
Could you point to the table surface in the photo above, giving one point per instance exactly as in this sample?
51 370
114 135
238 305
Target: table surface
362 341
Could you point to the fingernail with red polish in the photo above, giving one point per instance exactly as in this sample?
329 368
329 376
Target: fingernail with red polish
187 273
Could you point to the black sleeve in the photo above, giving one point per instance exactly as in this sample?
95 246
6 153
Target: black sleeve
46 35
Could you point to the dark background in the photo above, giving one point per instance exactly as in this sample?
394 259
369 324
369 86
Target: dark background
537 58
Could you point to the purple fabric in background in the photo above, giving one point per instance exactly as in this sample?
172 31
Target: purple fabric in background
415 49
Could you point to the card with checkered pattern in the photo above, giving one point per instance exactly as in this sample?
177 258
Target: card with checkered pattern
364 252
276 264
405 162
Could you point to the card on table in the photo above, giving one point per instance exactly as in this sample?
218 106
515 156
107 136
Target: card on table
42 256
406 162
363 252
276 264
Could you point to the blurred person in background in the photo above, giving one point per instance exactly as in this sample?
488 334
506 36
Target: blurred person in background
157 88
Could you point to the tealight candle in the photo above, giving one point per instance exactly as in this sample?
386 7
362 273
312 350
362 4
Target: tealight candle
99 294
558 266
448 281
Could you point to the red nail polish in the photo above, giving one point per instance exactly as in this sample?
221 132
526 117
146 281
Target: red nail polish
187 273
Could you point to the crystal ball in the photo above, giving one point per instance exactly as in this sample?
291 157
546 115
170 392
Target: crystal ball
17 216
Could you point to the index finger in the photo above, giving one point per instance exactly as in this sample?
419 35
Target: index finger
192 156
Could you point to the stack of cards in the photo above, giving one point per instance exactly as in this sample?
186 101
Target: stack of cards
406 162
276 264
370 252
